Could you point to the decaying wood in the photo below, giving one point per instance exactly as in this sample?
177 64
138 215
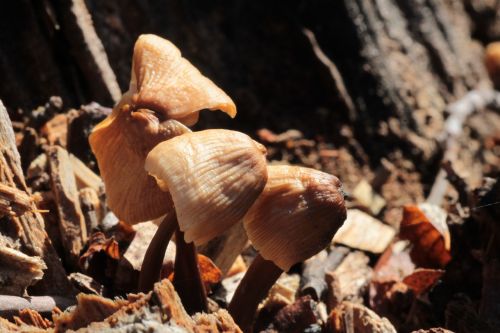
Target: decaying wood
363 232
28 228
365 196
89 308
87 49
84 176
350 280
352 317
474 101
313 276
13 202
18 271
91 208
32 318
224 250
55 130
11 305
161 310
86 284
71 221
296 317
282 293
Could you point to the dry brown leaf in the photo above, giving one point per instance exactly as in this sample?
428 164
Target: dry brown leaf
430 242
423 279
99 243
210 273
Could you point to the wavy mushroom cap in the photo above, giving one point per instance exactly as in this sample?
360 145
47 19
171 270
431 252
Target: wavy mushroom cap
164 81
214 176
120 144
296 215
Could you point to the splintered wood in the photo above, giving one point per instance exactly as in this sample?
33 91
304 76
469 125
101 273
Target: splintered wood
71 219
13 202
18 271
28 228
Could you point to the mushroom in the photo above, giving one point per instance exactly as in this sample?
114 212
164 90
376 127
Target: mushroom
163 87
213 176
294 218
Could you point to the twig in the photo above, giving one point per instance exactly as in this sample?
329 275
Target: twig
10 305
473 101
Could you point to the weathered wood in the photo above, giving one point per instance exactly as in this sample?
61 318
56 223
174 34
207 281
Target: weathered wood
13 202
28 228
71 220
11 305
224 250
18 271
91 208
87 49
313 276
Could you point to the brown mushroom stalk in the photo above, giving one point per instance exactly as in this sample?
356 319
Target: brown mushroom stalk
187 279
253 288
295 217
153 258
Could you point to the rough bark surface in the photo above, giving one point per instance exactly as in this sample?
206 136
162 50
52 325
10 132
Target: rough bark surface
28 229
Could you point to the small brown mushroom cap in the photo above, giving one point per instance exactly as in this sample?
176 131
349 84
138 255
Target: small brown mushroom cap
296 215
214 176
120 144
164 81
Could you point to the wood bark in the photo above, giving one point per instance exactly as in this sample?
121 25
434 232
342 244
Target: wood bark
28 228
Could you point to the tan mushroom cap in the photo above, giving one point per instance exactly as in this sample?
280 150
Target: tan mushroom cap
164 87
214 176
120 144
296 215
164 81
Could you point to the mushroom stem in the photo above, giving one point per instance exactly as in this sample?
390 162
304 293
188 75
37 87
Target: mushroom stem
254 287
187 279
153 259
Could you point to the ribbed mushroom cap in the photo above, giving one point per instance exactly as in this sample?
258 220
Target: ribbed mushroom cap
120 144
296 215
164 81
214 176
163 86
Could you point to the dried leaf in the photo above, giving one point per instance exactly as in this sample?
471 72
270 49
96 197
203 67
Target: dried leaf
99 243
423 279
210 274
430 240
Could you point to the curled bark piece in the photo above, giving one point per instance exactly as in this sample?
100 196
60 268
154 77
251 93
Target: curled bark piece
18 271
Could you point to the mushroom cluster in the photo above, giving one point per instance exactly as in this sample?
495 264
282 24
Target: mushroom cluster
205 182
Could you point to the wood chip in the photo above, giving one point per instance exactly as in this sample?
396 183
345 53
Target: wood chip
224 250
350 280
86 284
89 308
71 221
56 130
363 232
364 195
13 202
313 276
92 208
296 317
352 317
237 267
32 318
18 271
84 176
